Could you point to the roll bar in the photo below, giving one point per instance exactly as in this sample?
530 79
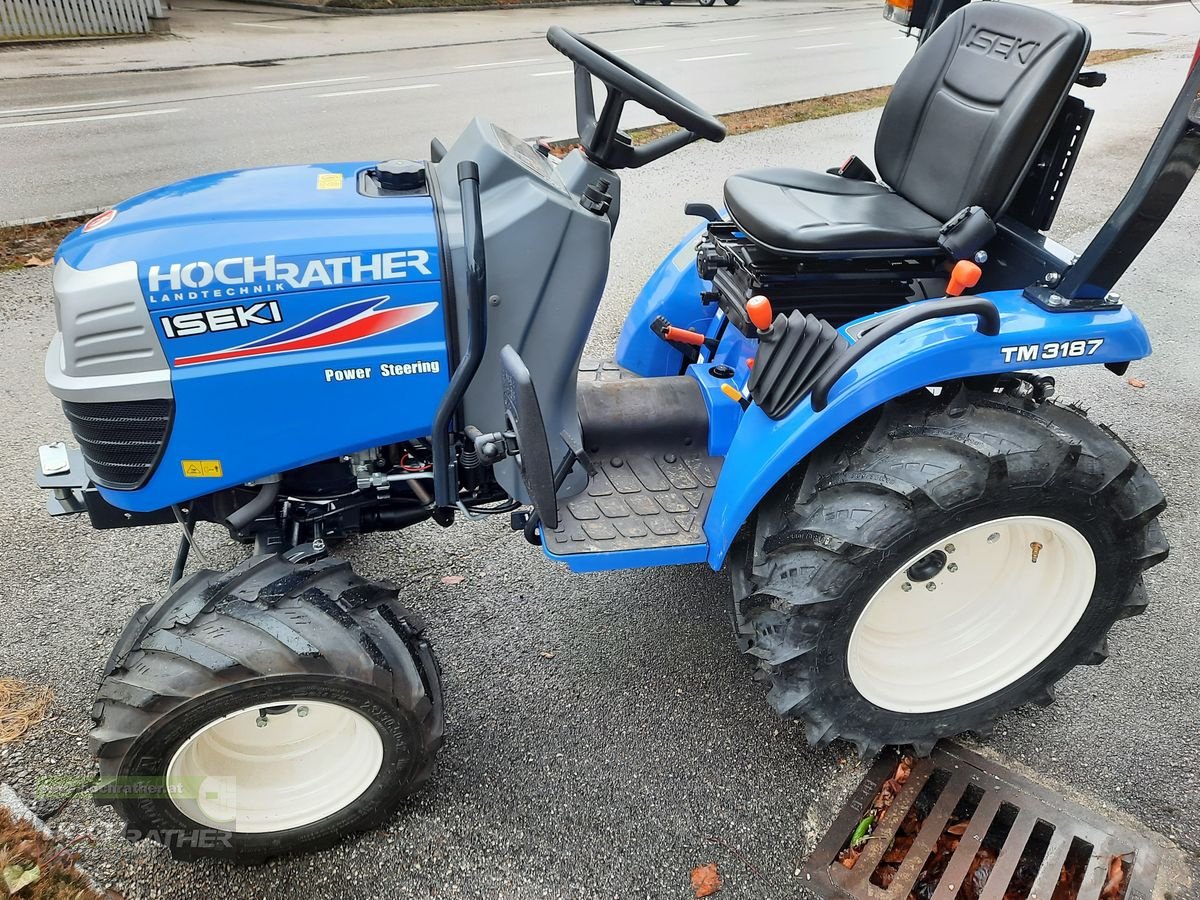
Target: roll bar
1168 168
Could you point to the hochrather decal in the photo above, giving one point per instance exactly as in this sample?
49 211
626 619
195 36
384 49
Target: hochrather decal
240 276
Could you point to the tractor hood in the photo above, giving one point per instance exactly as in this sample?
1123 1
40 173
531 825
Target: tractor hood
290 227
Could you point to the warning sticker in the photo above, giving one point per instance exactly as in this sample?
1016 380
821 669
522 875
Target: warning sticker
201 468
330 181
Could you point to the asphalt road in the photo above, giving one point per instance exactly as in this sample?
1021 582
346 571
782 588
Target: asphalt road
380 87
644 747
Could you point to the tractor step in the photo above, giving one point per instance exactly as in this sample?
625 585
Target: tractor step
651 479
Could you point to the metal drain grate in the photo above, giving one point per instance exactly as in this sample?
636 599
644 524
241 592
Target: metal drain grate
1018 826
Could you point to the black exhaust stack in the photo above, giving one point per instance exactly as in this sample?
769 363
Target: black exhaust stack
445 484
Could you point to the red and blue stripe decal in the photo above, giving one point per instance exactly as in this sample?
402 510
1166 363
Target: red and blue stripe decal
332 328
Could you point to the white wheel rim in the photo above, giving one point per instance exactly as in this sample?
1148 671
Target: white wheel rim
308 761
1000 606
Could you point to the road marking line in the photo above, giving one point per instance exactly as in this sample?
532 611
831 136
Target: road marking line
124 115
544 74
257 25
742 37
42 109
720 56
815 30
823 46
636 49
382 90
283 84
507 62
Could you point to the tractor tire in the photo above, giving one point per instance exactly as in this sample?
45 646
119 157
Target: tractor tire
270 709
707 2
941 563
731 2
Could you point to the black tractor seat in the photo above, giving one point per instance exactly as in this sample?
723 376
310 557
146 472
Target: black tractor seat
785 210
961 128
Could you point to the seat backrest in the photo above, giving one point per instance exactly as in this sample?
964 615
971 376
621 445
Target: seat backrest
973 105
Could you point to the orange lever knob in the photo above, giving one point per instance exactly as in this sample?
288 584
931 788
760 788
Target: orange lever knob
683 336
758 310
965 274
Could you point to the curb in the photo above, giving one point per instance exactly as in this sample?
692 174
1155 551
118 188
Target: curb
484 7
42 220
19 811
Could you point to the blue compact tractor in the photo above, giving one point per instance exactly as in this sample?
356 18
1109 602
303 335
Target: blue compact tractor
825 388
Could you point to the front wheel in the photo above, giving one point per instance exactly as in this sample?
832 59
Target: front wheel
946 563
271 709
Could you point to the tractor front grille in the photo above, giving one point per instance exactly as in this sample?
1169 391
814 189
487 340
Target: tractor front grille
121 442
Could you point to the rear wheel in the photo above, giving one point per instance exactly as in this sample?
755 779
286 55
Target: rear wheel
271 709
947 562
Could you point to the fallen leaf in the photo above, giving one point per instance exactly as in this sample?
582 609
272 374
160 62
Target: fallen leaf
37 261
706 880
861 832
18 875
1114 884
958 828
1137 383
453 579
546 654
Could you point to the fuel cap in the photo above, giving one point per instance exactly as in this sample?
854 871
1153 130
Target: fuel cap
401 175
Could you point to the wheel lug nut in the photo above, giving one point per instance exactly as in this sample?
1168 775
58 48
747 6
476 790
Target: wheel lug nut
302 711
261 721
930 586
953 567
993 537
906 587
950 548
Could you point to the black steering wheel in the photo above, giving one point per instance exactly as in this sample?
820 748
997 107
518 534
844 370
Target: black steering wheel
601 137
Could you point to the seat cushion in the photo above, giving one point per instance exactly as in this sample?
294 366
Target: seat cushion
796 211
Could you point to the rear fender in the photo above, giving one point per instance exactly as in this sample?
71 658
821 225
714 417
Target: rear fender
673 291
764 450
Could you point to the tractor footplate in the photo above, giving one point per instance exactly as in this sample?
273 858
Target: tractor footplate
652 479
637 501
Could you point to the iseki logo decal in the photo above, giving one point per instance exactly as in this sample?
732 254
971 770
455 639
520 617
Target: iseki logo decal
99 221
225 318
332 328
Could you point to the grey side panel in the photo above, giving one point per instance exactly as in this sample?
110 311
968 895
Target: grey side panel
106 348
547 262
